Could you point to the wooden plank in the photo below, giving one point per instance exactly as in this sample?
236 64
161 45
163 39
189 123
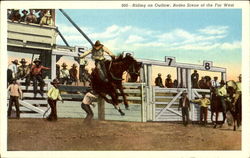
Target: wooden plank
68 88
36 101
30 106
31 88
31 95
101 109
26 115
143 117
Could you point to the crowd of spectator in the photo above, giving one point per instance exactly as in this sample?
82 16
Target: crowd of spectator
35 16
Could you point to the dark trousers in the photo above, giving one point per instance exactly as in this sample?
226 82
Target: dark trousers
14 99
185 115
89 112
53 113
203 114
35 79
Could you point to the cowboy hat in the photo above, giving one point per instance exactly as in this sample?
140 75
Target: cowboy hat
24 11
37 60
64 65
15 62
23 61
55 81
240 76
74 65
97 45
159 74
168 75
47 14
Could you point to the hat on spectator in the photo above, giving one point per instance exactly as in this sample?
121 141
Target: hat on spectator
24 11
159 74
74 65
23 61
168 75
64 65
55 81
15 62
37 60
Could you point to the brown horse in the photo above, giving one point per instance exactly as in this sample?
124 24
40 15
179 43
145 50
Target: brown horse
115 70
236 110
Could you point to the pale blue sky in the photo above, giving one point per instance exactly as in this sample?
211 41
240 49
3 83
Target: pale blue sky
189 35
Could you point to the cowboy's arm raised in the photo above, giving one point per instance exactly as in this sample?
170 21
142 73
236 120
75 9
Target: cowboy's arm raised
108 52
85 53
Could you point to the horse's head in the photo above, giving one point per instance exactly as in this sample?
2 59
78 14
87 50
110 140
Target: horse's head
133 67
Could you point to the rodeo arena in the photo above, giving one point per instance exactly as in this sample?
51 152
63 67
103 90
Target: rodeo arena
115 102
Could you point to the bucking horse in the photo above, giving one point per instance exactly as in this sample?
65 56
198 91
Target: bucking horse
115 69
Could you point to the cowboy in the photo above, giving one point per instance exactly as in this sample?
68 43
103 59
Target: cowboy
73 73
15 93
64 74
36 75
169 82
24 72
195 79
47 19
53 96
184 104
12 70
97 52
86 102
222 93
25 12
82 70
158 80
31 17
204 102
238 90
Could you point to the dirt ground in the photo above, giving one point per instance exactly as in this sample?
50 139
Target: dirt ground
73 134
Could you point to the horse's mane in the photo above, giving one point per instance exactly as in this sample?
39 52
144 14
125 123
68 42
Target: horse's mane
127 58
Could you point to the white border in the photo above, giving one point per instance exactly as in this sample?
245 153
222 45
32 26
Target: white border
244 5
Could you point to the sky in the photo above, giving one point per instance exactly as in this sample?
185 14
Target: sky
190 35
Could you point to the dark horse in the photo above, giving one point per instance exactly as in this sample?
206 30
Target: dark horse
216 107
115 70
236 110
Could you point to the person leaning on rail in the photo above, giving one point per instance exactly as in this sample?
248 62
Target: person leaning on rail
184 104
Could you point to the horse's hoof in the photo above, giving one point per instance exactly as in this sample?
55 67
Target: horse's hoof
122 113
214 126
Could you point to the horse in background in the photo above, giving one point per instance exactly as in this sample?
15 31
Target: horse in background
115 69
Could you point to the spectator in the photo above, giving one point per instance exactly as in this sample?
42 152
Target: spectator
204 102
215 83
15 93
158 81
86 102
222 93
202 83
15 15
36 76
184 104
175 83
195 79
47 19
25 12
73 74
208 82
83 63
12 71
41 14
86 77
24 72
169 82
64 74
53 96
31 17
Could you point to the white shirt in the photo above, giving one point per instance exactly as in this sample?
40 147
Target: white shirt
88 98
215 84
13 68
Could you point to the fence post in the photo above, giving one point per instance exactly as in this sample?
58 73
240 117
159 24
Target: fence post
101 108
143 119
153 103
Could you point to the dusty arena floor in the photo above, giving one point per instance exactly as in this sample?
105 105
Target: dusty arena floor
73 134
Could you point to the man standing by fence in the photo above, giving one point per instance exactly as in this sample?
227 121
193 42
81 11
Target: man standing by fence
15 93
204 102
184 104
